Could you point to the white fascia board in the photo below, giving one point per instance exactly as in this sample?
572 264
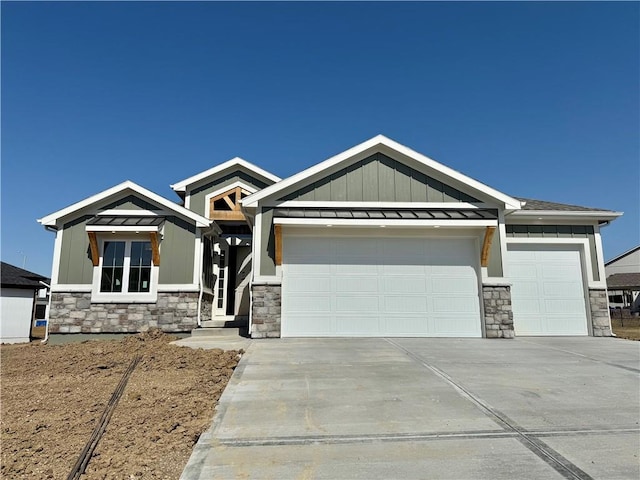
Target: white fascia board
352 222
50 220
395 147
182 185
568 215
375 205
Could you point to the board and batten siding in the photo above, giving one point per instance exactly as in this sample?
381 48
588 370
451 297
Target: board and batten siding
494 269
177 250
267 243
130 202
76 267
559 231
378 178
197 201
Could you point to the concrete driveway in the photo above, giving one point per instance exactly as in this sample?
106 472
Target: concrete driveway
427 408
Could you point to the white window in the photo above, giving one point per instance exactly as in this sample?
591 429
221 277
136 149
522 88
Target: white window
126 272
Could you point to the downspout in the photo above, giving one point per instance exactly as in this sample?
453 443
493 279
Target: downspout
46 327
48 228
200 299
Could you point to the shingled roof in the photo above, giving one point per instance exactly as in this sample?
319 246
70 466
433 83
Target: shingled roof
621 281
541 205
12 276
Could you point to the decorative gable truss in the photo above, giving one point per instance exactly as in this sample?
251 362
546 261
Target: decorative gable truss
227 205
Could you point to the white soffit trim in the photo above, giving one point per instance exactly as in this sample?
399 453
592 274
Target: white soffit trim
377 141
120 188
182 185
330 222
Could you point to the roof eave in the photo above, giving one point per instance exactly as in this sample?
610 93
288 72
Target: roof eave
591 214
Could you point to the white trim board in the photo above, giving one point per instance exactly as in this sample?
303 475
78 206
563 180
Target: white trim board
375 144
383 223
581 243
374 205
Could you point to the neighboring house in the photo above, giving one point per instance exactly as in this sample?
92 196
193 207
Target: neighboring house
623 280
376 241
22 292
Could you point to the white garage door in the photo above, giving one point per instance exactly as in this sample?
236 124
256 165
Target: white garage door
547 292
369 287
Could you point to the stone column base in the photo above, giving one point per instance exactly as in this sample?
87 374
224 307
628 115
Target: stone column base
498 315
265 315
600 319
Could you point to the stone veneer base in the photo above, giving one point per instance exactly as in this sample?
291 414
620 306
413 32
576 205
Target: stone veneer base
600 319
498 314
74 313
265 315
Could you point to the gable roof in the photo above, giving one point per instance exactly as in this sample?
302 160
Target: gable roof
383 144
621 281
12 276
622 255
126 187
236 162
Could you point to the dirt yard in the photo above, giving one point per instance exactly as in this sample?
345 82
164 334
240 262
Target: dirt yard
53 396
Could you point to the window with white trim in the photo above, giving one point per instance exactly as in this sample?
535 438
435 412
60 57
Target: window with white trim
126 271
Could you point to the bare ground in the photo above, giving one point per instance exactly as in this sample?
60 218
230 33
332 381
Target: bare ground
53 396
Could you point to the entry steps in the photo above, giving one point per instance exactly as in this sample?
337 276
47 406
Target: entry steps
221 328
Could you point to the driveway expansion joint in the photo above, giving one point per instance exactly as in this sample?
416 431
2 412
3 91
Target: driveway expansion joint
553 458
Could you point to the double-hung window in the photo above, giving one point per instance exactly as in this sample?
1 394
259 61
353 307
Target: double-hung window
126 271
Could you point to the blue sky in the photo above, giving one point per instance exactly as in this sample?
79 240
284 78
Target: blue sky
537 100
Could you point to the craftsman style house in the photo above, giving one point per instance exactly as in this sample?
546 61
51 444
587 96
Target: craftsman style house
378 240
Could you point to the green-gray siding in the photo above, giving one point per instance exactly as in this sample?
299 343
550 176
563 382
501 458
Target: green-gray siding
130 202
76 266
197 201
177 250
559 231
379 178
267 244
494 269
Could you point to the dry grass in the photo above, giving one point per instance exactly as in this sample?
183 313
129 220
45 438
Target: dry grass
630 330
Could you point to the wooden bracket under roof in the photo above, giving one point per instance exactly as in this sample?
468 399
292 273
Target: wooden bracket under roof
486 246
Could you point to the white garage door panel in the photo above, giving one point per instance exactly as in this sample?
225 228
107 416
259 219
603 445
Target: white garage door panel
380 287
547 293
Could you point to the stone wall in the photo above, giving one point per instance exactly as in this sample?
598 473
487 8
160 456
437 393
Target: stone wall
74 313
265 316
600 321
498 315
